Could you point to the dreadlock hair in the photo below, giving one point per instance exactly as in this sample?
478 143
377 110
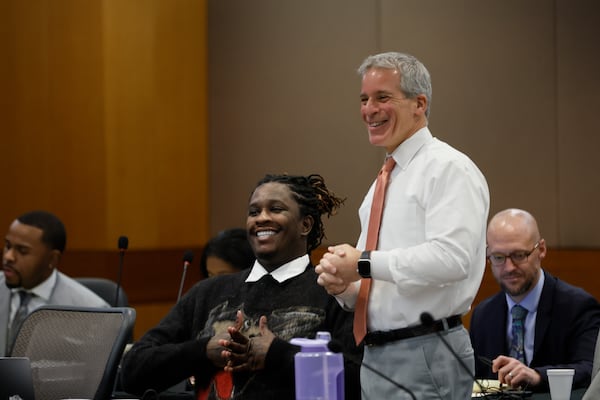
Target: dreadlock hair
313 198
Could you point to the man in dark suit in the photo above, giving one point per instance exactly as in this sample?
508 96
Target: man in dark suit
561 323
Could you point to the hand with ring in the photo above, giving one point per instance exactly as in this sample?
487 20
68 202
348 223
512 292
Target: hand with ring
514 373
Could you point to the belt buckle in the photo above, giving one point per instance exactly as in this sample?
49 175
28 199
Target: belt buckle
445 324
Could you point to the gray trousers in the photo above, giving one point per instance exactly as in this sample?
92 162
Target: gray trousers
423 364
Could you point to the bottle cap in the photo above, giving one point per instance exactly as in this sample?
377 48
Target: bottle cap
311 345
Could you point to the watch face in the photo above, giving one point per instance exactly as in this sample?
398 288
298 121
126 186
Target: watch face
364 268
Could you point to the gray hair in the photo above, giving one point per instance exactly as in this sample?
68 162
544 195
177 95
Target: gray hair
414 77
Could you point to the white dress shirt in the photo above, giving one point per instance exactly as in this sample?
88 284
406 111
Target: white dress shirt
282 273
42 293
431 251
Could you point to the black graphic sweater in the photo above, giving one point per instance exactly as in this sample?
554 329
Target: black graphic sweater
176 348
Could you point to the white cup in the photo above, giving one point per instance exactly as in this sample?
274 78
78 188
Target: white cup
560 381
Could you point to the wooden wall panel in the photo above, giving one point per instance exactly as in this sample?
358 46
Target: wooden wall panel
52 120
156 122
105 119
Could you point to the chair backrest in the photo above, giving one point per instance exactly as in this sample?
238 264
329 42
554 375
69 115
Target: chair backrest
74 351
106 289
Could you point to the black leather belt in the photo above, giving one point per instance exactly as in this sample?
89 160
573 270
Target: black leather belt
378 338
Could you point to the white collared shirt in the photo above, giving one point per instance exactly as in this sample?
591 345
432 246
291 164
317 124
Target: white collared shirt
431 251
281 274
42 292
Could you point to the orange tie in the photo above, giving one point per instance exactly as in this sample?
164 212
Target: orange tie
360 310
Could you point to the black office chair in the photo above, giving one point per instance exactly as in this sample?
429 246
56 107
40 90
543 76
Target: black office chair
74 351
106 289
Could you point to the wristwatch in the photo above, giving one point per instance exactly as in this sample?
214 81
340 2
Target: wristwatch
364 264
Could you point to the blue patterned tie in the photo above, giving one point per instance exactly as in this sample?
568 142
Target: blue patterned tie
517 347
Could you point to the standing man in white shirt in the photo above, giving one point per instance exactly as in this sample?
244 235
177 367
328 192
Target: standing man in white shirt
430 255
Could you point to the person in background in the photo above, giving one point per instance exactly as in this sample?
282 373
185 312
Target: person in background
561 321
430 254
33 248
243 322
227 252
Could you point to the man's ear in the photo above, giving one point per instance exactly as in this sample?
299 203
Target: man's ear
55 256
422 103
307 225
542 249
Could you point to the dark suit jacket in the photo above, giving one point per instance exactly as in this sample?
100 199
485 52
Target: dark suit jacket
566 329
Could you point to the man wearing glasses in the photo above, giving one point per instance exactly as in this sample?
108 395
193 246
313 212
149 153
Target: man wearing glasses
553 325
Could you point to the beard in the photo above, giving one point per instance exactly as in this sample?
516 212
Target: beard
15 284
11 285
519 290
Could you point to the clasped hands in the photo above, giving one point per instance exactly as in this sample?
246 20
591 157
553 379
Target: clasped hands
337 268
514 373
236 352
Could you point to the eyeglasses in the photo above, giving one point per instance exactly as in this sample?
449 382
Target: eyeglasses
517 257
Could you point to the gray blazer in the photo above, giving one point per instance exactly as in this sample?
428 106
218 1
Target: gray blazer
67 292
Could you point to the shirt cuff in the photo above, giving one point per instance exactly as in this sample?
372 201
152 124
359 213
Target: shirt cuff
347 299
380 266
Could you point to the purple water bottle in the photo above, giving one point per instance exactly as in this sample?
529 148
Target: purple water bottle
319 372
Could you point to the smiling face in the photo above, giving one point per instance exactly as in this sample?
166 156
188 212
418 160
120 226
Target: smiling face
276 230
26 260
389 115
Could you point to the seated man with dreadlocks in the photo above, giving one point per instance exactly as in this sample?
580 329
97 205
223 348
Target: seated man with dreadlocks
242 323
